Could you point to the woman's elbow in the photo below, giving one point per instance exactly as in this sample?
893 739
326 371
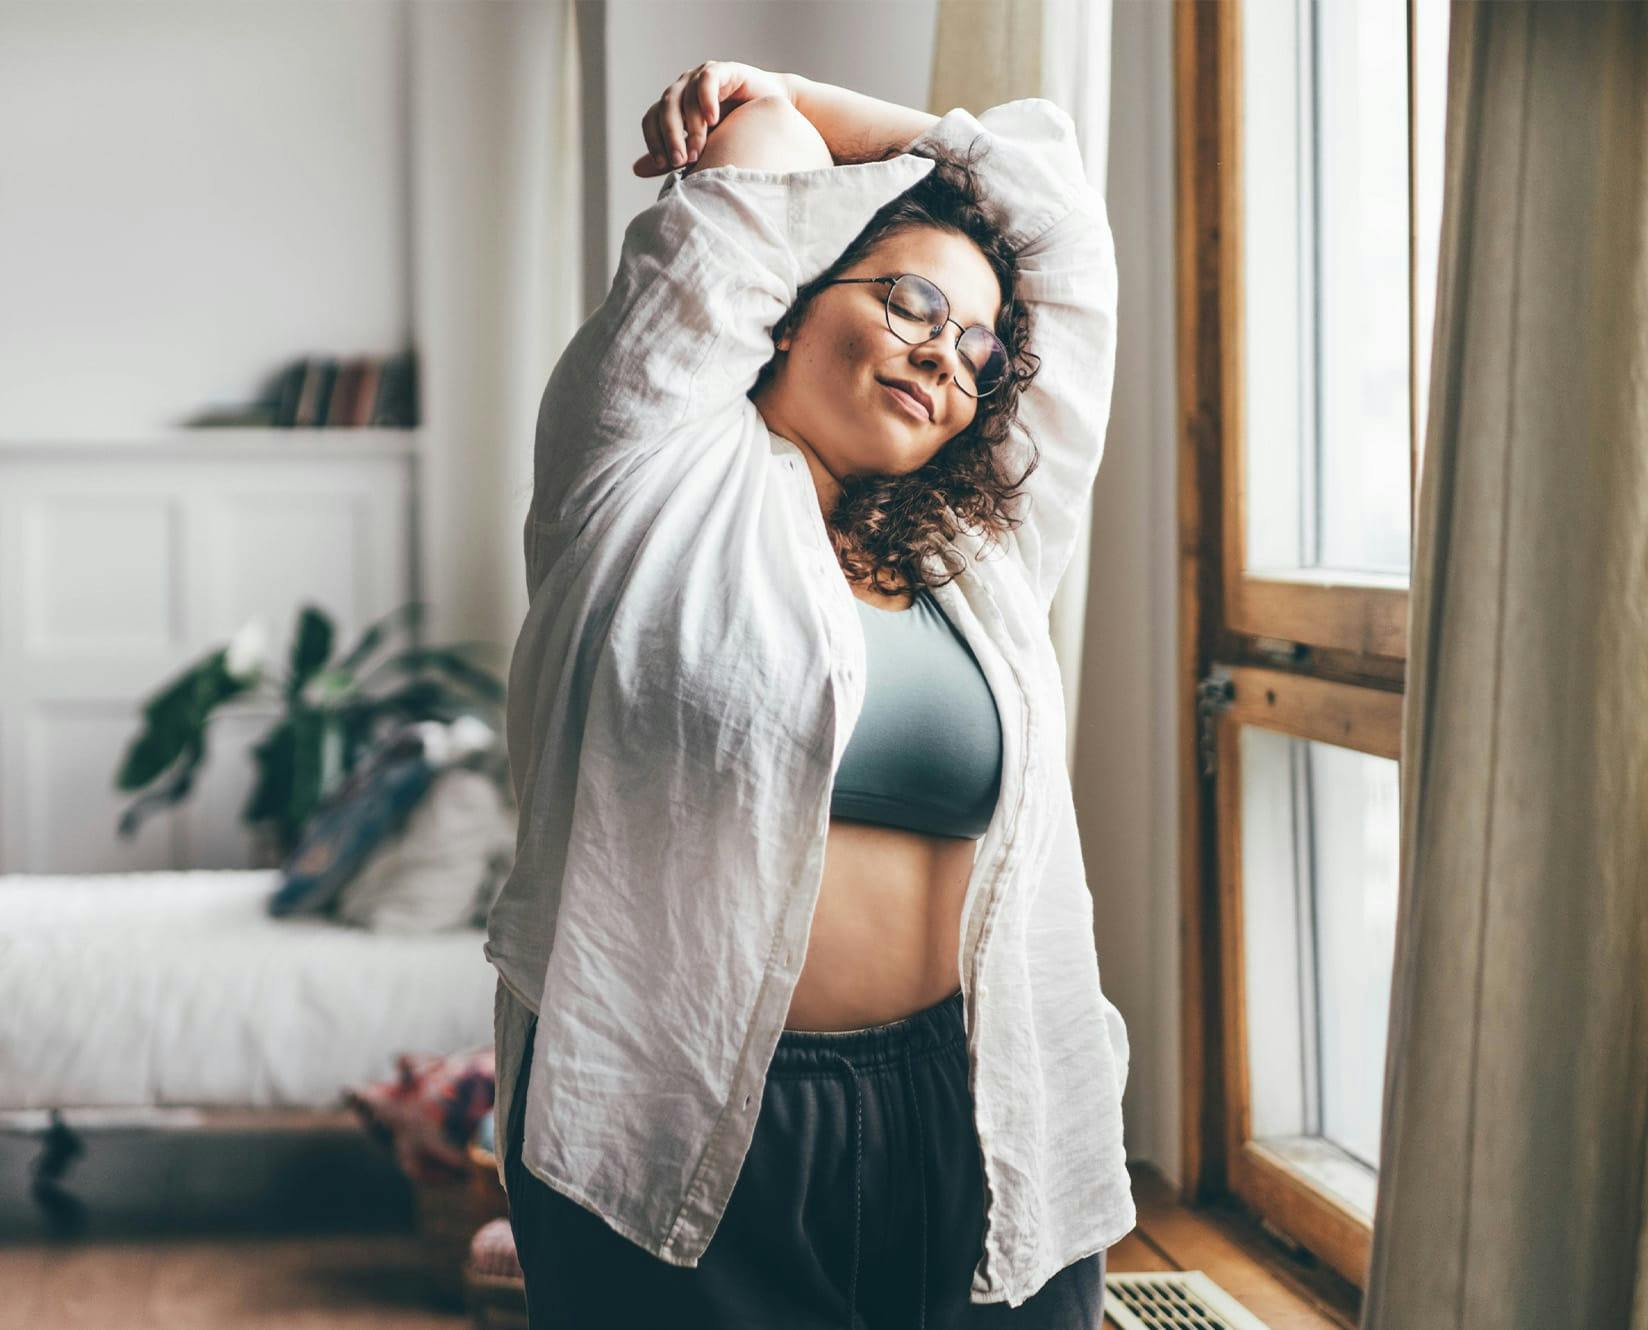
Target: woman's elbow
765 134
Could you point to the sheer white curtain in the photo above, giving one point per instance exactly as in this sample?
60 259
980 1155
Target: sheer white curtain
495 104
1515 1140
991 51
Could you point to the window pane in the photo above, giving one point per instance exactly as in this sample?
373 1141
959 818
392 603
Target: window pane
1353 804
1326 319
1430 78
1319 881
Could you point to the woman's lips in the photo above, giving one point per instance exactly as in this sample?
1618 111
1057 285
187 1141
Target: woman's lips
909 403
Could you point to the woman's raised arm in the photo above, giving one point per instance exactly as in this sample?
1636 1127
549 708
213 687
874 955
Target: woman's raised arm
1036 189
687 125
662 369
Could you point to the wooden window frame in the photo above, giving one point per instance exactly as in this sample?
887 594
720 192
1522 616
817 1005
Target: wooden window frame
1365 720
1310 654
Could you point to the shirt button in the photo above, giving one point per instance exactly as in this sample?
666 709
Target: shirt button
984 990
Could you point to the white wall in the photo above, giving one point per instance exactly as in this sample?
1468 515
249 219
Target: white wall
194 193
190 195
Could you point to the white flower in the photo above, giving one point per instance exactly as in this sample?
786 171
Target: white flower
245 654
469 734
444 744
436 746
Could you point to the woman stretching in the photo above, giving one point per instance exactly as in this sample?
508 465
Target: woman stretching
799 1019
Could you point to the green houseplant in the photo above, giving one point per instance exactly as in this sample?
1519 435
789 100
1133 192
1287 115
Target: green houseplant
326 715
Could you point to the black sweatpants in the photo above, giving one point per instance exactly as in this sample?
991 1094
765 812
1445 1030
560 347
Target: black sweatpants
860 1206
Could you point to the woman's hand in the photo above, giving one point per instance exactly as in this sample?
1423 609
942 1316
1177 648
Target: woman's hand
676 125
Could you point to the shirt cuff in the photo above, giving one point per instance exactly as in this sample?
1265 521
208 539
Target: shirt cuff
1027 160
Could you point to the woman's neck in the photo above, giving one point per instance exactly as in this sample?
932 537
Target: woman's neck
824 482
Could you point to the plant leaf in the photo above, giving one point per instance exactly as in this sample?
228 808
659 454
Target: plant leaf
172 791
175 716
274 756
412 612
446 660
311 647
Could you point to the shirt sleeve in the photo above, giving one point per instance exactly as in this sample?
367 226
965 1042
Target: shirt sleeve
703 275
706 271
1036 189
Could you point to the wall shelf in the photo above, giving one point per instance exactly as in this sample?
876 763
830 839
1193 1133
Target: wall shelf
251 442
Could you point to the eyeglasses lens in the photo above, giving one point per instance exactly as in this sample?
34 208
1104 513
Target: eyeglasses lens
917 310
982 352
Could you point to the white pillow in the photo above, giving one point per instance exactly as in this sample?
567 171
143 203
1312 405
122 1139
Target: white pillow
435 873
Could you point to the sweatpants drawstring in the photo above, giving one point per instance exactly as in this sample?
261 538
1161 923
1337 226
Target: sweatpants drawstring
858 1185
921 1161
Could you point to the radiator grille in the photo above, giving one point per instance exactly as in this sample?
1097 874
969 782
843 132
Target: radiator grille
1174 1300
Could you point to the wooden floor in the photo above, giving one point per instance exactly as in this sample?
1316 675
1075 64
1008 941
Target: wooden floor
378 1280
296 1283
1284 1292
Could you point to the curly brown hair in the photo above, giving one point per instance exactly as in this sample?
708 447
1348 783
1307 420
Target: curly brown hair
887 526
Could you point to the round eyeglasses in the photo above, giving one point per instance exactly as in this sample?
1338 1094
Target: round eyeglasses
917 312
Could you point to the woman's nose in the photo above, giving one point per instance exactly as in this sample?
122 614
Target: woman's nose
935 354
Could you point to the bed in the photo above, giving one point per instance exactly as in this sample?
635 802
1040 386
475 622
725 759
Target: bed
143 991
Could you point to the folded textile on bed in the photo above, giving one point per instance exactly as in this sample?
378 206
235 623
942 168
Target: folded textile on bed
411 841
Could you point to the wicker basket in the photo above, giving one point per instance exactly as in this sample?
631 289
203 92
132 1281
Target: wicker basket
494 1286
496 1304
449 1212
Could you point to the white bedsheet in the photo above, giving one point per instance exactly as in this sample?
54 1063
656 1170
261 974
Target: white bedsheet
153 989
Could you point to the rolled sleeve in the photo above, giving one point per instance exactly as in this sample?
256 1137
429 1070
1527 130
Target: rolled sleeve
1035 186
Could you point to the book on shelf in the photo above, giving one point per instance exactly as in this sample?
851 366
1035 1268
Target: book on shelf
397 403
287 391
234 417
366 396
340 412
321 374
329 392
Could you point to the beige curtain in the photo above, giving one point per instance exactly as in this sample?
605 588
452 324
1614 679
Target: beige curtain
990 51
1512 1165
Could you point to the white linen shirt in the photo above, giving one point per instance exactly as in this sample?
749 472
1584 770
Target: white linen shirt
689 671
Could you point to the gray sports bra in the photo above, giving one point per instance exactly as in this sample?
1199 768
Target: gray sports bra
926 752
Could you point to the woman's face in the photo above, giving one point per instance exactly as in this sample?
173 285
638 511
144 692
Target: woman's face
829 390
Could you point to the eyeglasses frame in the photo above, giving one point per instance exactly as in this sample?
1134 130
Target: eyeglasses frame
887 309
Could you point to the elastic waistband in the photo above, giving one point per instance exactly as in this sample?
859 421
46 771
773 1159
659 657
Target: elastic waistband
932 1029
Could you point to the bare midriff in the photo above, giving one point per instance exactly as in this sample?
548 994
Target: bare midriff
887 927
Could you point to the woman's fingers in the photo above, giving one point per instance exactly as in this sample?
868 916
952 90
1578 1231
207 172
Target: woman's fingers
676 126
670 122
692 114
709 96
651 132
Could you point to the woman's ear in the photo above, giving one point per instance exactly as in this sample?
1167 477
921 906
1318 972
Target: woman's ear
784 330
